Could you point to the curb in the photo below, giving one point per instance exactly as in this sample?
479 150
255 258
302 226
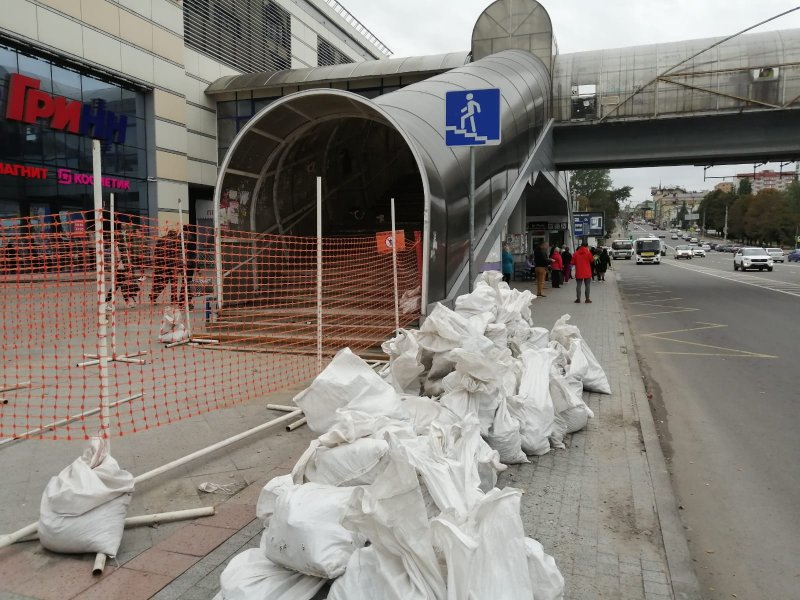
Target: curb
685 585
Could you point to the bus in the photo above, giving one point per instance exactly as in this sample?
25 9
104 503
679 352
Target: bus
621 249
647 251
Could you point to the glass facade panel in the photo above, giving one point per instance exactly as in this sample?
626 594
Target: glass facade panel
44 170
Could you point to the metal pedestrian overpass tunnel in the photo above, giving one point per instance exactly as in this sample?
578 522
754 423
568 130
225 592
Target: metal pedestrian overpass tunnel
697 102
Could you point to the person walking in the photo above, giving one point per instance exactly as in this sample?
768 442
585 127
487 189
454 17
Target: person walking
508 265
566 258
557 266
541 264
603 263
583 260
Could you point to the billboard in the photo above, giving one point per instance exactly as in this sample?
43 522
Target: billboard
589 223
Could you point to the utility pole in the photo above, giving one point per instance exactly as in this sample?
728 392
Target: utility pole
726 224
703 230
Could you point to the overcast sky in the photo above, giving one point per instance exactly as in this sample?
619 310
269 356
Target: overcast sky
419 27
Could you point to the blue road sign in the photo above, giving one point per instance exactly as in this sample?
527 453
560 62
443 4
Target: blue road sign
472 118
588 223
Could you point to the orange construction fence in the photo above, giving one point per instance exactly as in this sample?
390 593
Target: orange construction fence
249 324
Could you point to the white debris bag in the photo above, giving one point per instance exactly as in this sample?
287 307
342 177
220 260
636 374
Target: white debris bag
441 366
424 411
594 378
546 579
252 576
467 396
172 327
504 436
444 330
351 382
563 333
404 364
485 553
83 508
305 532
269 494
568 404
536 411
356 463
400 563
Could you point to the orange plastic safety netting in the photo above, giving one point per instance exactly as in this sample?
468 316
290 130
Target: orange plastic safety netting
249 325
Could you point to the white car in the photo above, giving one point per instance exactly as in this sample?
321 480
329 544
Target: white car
694 240
706 247
674 236
752 258
699 251
776 254
683 252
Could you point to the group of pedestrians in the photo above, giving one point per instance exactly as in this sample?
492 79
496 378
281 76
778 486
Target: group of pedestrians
587 264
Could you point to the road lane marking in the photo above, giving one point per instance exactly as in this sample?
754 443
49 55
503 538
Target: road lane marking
773 285
733 352
656 300
666 312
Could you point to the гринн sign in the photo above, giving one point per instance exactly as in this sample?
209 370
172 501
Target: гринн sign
28 103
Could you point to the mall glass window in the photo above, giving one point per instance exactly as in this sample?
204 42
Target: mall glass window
247 35
66 155
328 54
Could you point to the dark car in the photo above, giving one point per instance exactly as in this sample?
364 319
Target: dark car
793 256
713 245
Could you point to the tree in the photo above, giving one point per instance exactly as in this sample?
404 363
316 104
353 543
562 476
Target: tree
682 212
745 187
713 207
588 182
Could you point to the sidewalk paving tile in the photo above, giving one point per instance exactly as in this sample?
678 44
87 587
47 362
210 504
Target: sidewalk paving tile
126 584
162 562
230 515
195 539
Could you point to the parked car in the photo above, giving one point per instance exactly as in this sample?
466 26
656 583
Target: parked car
661 236
699 251
705 246
794 255
683 252
752 258
776 254
674 236
713 246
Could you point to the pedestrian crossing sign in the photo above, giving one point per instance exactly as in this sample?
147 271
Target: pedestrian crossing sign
472 117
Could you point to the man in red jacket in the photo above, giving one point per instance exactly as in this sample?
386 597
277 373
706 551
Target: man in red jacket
583 259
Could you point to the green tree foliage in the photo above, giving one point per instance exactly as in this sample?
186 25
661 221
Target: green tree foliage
681 216
745 187
713 208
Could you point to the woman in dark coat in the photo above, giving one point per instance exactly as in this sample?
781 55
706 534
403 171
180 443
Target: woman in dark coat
603 263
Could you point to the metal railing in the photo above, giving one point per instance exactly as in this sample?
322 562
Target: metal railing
342 12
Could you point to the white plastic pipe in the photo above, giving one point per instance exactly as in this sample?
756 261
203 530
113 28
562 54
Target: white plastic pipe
168 517
102 316
282 407
99 564
10 538
319 274
296 424
184 278
113 258
394 272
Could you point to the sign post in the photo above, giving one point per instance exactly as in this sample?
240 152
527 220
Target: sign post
472 118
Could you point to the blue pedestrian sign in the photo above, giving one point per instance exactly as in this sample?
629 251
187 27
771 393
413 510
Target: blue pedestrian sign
472 118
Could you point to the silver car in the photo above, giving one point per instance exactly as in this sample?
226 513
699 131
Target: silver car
776 254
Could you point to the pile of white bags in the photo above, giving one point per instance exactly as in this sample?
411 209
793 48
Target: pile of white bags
396 498
83 508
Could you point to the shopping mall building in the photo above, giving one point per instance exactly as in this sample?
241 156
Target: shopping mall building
133 73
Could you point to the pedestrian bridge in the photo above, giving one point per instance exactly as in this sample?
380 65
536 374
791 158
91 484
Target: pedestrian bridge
375 130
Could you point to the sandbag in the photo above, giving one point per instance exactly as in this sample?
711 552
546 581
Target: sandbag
498 333
504 436
265 505
441 366
546 579
536 412
446 459
350 425
572 413
467 396
444 330
391 514
83 508
563 333
485 552
405 367
594 378
305 532
424 411
172 327
349 382
252 576
356 463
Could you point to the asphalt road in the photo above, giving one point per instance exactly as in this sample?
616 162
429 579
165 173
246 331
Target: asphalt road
720 353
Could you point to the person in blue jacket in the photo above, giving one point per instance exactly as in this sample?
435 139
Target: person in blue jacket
508 265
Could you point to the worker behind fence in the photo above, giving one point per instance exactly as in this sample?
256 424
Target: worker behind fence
167 267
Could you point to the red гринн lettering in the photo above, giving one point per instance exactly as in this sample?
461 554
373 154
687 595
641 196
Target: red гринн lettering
18 85
38 105
66 114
